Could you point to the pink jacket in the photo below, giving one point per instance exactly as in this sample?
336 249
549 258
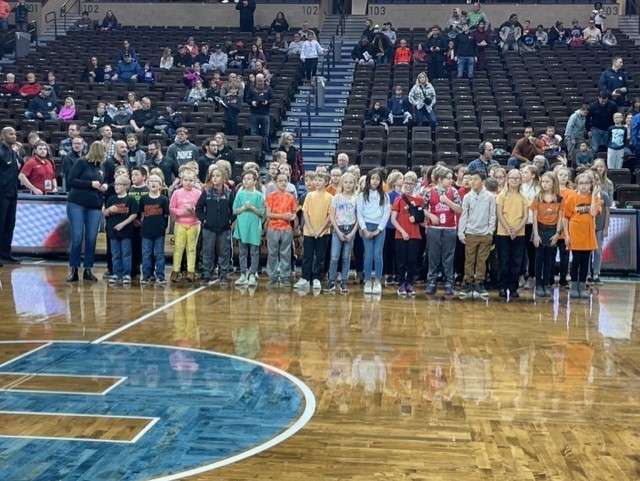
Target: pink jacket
179 200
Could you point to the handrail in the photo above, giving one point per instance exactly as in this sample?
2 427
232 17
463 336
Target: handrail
299 133
65 9
47 18
342 22
315 95
308 115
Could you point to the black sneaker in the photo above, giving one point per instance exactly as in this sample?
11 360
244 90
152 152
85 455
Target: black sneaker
223 281
465 291
514 295
481 291
597 281
330 287
343 287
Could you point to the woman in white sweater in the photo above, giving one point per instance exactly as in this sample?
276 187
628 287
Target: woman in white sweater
309 54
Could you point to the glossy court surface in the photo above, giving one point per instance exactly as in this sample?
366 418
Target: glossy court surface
116 383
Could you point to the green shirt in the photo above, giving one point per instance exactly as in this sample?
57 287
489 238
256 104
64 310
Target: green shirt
248 227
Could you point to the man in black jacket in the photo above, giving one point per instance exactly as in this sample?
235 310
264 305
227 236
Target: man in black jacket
465 48
436 46
246 9
599 119
259 99
9 169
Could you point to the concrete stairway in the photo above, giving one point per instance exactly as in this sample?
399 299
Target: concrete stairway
629 25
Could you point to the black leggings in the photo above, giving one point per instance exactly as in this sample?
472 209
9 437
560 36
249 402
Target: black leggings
310 67
580 265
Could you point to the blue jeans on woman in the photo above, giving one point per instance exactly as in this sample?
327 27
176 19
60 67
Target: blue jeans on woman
155 246
340 249
373 253
84 223
422 114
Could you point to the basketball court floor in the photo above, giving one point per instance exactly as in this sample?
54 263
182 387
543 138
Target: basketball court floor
203 383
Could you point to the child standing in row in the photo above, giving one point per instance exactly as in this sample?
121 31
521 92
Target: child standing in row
580 230
602 227
394 183
187 225
248 206
281 207
373 211
137 190
155 211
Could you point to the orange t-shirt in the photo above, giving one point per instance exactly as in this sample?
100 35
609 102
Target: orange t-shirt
547 212
331 189
582 226
280 203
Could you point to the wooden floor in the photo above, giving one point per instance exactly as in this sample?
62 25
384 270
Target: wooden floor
405 389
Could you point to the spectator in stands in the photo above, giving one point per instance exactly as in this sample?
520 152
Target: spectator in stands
84 209
109 22
246 9
197 93
609 39
525 149
295 46
128 70
419 55
232 103
483 39
599 120
9 88
147 76
215 84
574 132
9 168
280 23
78 149
83 23
591 35
38 172
557 35
368 30
31 88
598 16
93 72
376 115
304 31
510 33
484 161
203 57
259 99
100 117
21 18
143 119
208 158
68 110
262 68
436 46
399 107
217 60
5 10
542 38
423 98
576 28
191 74
42 106
237 56
362 52
155 159
51 82
613 81
342 162
192 48
126 49
279 44
454 24
107 140
182 59
166 61
388 30
182 150
311 50
254 56
585 155
65 145
403 54
476 16
382 47
169 121
465 48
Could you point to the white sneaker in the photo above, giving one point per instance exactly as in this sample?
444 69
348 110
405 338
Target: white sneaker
242 280
317 284
368 287
301 284
252 281
377 288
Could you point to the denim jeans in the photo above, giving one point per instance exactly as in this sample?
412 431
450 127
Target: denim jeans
596 260
156 247
468 61
373 253
84 224
598 138
209 240
32 116
4 24
340 250
121 257
422 114
260 126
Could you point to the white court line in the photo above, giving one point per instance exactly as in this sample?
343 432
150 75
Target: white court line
146 316
28 353
119 381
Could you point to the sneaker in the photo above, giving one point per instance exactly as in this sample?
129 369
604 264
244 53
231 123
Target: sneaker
411 292
368 287
343 287
161 281
113 280
252 280
224 282
431 288
301 284
126 280
481 290
514 295
242 280
144 281
390 281
401 291
317 284
530 283
272 282
448 289
204 281
597 281
377 288
285 282
330 287
541 291
107 274
465 291
175 275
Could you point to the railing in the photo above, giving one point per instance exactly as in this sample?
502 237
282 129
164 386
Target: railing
308 115
299 133
341 22
68 7
52 17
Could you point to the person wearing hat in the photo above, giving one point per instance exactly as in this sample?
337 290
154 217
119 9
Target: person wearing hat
237 56
128 70
182 58
218 60
382 47
42 106
246 9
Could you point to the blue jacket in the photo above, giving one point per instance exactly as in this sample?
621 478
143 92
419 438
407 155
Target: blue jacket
611 80
635 129
43 105
127 70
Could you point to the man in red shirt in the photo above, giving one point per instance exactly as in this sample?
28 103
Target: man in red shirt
38 174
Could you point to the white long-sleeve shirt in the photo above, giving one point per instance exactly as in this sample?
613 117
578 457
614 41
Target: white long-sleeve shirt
372 212
311 49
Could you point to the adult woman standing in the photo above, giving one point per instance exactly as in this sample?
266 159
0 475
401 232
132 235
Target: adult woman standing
423 97
311 50
84 209
294 157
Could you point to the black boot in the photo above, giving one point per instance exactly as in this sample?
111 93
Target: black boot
73 274
88 276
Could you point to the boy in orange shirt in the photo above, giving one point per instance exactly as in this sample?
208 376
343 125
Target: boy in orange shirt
281 209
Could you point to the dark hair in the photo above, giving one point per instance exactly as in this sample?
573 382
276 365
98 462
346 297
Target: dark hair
140 169
367 185
480 174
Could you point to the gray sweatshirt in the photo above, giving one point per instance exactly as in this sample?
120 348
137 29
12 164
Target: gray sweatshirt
478 214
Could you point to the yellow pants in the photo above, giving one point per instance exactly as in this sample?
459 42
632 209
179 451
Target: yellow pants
186 237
